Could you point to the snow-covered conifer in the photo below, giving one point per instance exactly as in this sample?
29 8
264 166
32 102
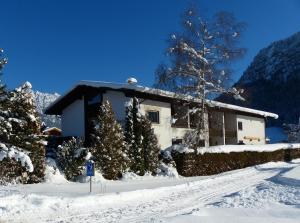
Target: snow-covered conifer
150 146
133 137
26 128
107 143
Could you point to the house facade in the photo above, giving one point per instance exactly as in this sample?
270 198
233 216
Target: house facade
170 115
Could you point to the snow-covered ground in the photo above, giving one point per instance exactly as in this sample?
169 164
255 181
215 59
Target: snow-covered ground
264 193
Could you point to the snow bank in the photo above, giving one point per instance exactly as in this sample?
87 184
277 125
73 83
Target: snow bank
238 148
164 171
52 173
168 171
17 154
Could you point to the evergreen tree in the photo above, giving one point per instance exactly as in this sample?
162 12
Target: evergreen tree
26 128
71 157
19 130
133 136
150 146
107 140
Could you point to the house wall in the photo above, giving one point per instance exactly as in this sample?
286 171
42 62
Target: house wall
178 133
117 100
230 128
253 132
162 130
216 128
73 123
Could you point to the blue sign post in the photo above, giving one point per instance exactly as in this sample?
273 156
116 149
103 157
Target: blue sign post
90 171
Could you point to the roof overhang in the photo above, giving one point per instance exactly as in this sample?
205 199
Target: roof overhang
131 90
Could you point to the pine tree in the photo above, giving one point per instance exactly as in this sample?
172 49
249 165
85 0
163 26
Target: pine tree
107 140
26 128
133 137
150 146
71 158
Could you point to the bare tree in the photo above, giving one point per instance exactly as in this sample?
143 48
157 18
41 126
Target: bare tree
3 61
200 61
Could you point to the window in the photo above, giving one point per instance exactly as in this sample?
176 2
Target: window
240 126
153 116
179 115
176 141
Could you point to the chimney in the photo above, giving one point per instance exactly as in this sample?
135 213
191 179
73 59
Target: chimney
131 81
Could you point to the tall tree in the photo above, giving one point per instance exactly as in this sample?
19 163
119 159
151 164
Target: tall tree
150 146
26 128
200 62
3 61
107 140
5 126
133 136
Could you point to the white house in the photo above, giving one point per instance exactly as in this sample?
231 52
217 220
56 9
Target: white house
169 114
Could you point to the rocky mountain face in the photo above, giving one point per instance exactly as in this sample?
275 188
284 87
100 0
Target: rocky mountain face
272 81
43 100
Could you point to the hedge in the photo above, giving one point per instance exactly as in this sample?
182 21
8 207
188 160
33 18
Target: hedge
193 164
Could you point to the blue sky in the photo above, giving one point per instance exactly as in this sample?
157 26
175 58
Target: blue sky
55 43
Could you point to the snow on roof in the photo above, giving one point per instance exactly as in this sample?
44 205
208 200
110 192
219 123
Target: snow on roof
163 93
51 129
240 108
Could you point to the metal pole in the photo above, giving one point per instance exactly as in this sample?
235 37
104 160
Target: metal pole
90 184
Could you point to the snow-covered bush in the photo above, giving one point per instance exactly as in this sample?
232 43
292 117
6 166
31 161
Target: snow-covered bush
71 158
167 170
107 143
15 164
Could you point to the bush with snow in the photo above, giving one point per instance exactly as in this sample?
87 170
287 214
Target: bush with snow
71 158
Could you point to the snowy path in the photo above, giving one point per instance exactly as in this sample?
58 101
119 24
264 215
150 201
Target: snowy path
152 205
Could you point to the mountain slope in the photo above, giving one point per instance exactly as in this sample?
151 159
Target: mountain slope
43 100
272 81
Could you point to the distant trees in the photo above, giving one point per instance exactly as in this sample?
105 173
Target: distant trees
200 58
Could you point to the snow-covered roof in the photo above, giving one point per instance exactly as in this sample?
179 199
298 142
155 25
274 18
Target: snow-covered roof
162 93
51 129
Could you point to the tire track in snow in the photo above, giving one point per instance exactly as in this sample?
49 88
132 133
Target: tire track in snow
186 199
